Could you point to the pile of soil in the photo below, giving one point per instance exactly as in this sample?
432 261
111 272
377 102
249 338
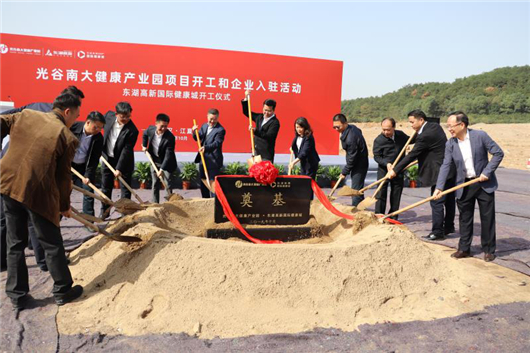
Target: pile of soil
352 273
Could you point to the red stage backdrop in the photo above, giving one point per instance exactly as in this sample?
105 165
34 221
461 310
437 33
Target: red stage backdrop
179 81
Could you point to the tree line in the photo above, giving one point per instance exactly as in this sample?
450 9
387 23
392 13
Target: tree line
498 96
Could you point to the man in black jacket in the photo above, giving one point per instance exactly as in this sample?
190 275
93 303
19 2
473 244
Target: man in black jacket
160 143
352 141
118 149
86 157
212 136
429 148
387 147
266 130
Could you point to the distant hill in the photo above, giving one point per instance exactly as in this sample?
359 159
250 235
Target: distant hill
498 96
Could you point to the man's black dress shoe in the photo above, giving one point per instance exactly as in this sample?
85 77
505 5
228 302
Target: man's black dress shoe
489 257
449 231
432 236
74 293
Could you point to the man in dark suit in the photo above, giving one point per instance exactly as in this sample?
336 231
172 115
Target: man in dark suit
468 149
429 147
86 157
266 130
212 136
352 141
118 149
160 143
387 147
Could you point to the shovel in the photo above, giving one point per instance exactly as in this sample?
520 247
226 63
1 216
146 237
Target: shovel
254 159
290 161
121 180
121 238
103 198
369 201
348 191
207 180
448 191
335 188
88 217
124 206
161 177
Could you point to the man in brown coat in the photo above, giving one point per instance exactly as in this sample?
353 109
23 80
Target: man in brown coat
35 182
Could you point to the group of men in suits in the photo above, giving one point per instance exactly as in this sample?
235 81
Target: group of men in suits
442 165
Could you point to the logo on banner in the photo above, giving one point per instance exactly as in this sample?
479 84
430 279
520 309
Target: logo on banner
3 48
81 54
49 53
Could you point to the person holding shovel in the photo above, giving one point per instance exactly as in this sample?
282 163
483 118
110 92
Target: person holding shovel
304 149
212 135
266 130
429 147
118 149
36 182
468 149
386 149
353 142
86 157
160 143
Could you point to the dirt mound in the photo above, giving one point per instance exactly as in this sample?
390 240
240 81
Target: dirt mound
356 272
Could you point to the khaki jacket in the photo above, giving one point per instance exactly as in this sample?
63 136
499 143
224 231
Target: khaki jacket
36 169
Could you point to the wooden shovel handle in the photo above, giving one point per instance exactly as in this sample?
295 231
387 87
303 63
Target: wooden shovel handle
290 161
86 223
94 187
336 186
250 127
121 180
202 156
161 177
448 191
90 194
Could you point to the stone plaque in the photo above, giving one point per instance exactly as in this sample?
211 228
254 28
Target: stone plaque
286 201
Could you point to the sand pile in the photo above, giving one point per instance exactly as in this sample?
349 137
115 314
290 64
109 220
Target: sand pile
358 272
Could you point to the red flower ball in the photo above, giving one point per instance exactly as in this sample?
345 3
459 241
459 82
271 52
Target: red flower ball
264 172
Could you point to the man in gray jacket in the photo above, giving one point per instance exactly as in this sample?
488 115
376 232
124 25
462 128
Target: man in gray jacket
468 149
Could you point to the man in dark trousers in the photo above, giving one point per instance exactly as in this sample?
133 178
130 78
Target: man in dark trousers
266 130
86 157
352 141
212 136
387 147
468 149
118 149
34 243
429 147
160 143
35 182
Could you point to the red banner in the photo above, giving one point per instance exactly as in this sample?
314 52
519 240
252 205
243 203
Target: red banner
179 81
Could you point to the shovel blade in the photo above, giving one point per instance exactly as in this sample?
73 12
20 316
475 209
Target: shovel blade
209 185
253 160
120 238
347 191
367 202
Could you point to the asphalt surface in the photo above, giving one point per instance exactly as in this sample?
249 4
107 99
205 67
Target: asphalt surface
504 328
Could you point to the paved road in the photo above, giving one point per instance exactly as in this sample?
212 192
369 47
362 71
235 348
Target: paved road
498 328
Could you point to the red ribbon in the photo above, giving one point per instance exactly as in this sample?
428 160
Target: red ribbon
316 189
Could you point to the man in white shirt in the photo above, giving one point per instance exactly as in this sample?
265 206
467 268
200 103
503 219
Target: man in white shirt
118 149
468 149
160 143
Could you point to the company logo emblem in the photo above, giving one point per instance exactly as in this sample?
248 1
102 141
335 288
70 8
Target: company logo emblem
81 54
239 184
3 48
49 53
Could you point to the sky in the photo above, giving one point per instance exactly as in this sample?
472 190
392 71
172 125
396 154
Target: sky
384 45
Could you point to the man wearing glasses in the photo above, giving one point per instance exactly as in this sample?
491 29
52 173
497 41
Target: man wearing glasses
352 141
118 149
468 149
429 147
